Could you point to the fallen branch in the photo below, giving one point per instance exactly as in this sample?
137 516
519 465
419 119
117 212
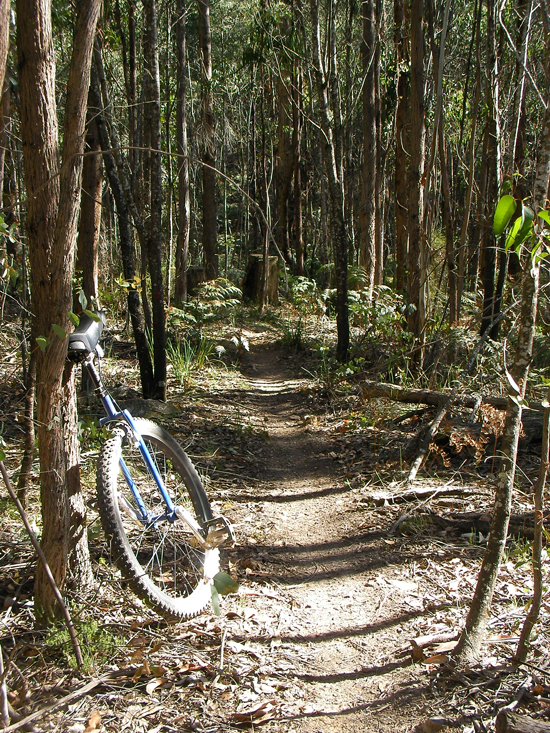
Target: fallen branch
444 408
70 698
430 397
67 700
509 722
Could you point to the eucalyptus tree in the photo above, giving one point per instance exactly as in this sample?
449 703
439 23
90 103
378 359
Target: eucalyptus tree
325 65
53 186
182 246
208 145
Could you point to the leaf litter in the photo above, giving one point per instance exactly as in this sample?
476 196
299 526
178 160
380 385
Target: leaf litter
348 606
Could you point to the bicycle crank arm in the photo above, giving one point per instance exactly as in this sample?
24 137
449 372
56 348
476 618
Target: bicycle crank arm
220 530
194 526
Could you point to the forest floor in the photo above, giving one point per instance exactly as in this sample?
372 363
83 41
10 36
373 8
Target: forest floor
350 598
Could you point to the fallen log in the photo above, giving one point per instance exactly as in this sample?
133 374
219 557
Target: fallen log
509 722
521 525
531 416
430 397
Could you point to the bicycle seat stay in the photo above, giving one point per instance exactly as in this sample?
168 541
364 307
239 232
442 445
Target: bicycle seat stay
84 339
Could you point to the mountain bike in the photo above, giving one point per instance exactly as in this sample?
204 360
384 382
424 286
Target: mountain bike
153 507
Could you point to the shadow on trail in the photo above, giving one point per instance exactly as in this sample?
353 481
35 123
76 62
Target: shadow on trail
286 498
315 563
400 697
347 633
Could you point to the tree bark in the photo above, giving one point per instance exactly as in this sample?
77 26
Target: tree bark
488 244
367 247
153 238
90 214
331 125
509 722
120 195
469 646
4 85
209 209
53 203
417 246
184 218
533 614
401 146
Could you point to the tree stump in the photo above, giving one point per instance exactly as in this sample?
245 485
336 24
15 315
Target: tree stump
195 276
509 722
252 282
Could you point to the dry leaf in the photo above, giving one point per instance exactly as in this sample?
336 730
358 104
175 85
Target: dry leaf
155 682
437 659
137 656
257 716
94 722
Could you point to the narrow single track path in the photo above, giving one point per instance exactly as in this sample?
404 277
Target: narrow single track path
303 533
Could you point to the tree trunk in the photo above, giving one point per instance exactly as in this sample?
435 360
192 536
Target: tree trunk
78 552
367 250
469 646
90 214
471 166
209 222
331 125
52 212
182 246
4 84
154 225
401 146
488 244
297 117
120 195
417 246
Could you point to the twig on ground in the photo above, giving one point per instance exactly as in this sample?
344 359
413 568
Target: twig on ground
48 572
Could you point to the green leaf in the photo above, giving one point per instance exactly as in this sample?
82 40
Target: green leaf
225 584
2 455
505 210
215 600
82 299
42 342
93 316
59 331
544 215
73 318
521 229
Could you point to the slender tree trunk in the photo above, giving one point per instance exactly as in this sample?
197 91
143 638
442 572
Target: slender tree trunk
154 229
209 221
367 251
488 244
297 118
182 246
538 574
4 83
471 167
51 233
469 645
331 125
401 146
417 246
90 214
286 154
120 195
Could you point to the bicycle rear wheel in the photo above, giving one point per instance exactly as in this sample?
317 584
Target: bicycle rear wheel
162 560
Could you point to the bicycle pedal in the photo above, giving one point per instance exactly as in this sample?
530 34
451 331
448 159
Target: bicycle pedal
220 530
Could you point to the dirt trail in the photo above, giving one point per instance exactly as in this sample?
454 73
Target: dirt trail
302 532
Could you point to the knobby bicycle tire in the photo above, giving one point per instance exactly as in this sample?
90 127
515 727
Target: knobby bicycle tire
163 562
